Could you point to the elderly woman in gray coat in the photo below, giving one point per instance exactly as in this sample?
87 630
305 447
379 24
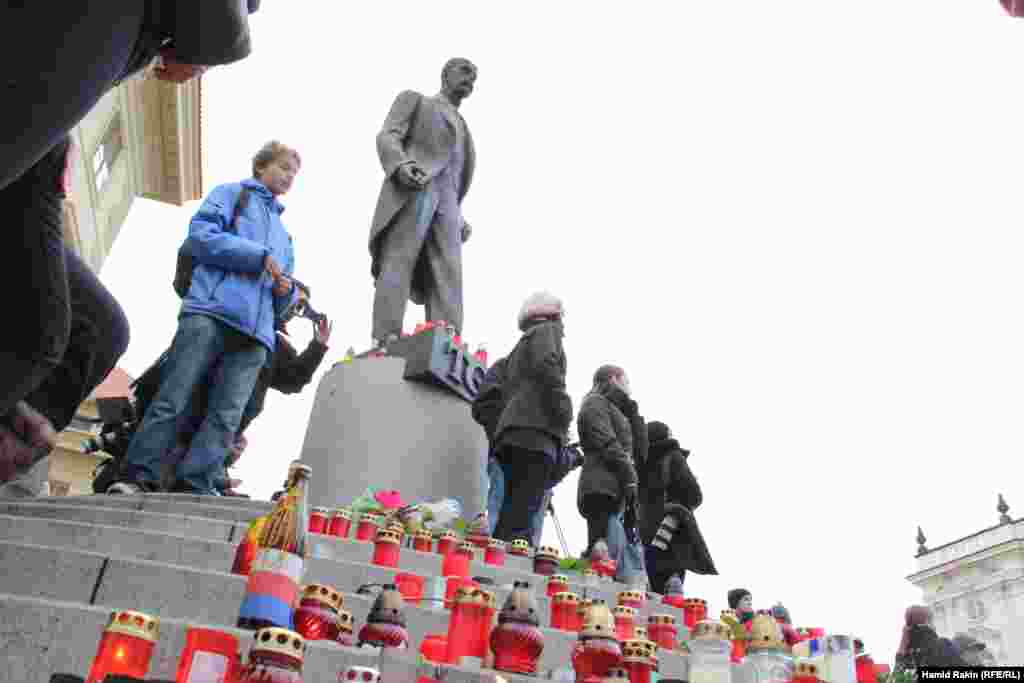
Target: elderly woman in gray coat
532 432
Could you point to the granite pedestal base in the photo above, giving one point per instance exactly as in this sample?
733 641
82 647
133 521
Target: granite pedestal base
372 427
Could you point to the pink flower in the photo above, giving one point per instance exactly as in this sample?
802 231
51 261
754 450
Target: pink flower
389 499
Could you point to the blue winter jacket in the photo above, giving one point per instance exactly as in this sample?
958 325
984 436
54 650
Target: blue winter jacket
229 282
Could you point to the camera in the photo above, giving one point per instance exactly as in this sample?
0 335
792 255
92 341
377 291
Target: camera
302 307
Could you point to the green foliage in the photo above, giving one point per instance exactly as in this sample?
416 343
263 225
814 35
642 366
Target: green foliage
573 564
897 677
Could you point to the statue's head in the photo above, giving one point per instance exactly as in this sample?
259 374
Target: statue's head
458 78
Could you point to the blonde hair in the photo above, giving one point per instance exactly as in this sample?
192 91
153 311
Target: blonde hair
540 304
271 152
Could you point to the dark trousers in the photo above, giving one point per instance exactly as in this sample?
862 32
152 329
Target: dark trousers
526 476
56 60
599 510
659 568
66 331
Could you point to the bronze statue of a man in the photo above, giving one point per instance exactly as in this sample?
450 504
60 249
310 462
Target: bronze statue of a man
418 229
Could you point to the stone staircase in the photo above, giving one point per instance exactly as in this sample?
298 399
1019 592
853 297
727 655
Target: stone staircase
69 561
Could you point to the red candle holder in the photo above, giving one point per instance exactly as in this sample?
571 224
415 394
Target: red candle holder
481 355
517 641
434 648
545 562
557 583
387 548
385 624
488 612
662 629
520 548
457 563
359 674
346 629
209 655
318 521
495 554
640 660
453 584
340 523
481 541
694 610
674 601
599 651
632 598
806 673
423 541
464 625
604 568
625 621
275 657
367 528
126 646
448 542
563 611
410 586
317 615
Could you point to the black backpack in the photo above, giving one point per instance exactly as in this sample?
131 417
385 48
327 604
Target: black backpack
187 263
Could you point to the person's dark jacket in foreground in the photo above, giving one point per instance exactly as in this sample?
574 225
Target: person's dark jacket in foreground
287 372
667 486
920 645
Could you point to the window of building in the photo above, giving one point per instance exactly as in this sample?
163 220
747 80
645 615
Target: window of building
108 151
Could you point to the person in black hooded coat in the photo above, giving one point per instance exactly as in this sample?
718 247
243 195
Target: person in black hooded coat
668 487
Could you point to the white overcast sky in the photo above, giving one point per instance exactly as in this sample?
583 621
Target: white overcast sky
796 224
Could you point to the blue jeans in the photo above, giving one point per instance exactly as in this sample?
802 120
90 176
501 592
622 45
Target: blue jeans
629 557
201 344
495 492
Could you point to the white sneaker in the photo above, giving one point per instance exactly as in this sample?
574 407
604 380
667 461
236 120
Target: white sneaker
125 488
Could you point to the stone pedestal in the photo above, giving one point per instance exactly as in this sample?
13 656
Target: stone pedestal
372 427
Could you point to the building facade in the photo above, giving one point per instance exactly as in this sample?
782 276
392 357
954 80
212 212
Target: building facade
975 586
142 139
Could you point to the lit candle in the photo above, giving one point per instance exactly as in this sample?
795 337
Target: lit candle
600 650
633 598
520 548
625 621
640 660
410 586
126 646
457 563
557 583
517 640
694 610
385 625
464 625
367 528
662 630
448 542
423 541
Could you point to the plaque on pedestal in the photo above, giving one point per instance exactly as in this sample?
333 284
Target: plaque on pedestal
399 422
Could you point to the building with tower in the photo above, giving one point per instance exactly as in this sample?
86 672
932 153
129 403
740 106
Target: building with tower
975 586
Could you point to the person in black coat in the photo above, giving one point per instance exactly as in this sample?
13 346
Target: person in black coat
486 411
58 60
668 487
531 433
920 644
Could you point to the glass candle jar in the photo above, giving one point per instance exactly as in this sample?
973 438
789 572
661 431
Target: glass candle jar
520 548
448 542
275 657
367 528
386 548
271 591
545 561
625 621
694 610
209 656
564 606
557 583
457 563
346 629
710 653
632 598
126 646
423 541
318 521
662 629
317 615
495 554
640 660
340 523
464 625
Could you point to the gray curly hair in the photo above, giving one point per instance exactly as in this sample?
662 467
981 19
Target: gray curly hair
540 305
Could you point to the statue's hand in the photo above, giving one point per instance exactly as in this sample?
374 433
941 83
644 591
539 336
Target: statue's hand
467 230
411 176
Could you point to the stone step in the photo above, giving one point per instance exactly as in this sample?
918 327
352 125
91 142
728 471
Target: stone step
40 637
213 598
208 543
223 508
